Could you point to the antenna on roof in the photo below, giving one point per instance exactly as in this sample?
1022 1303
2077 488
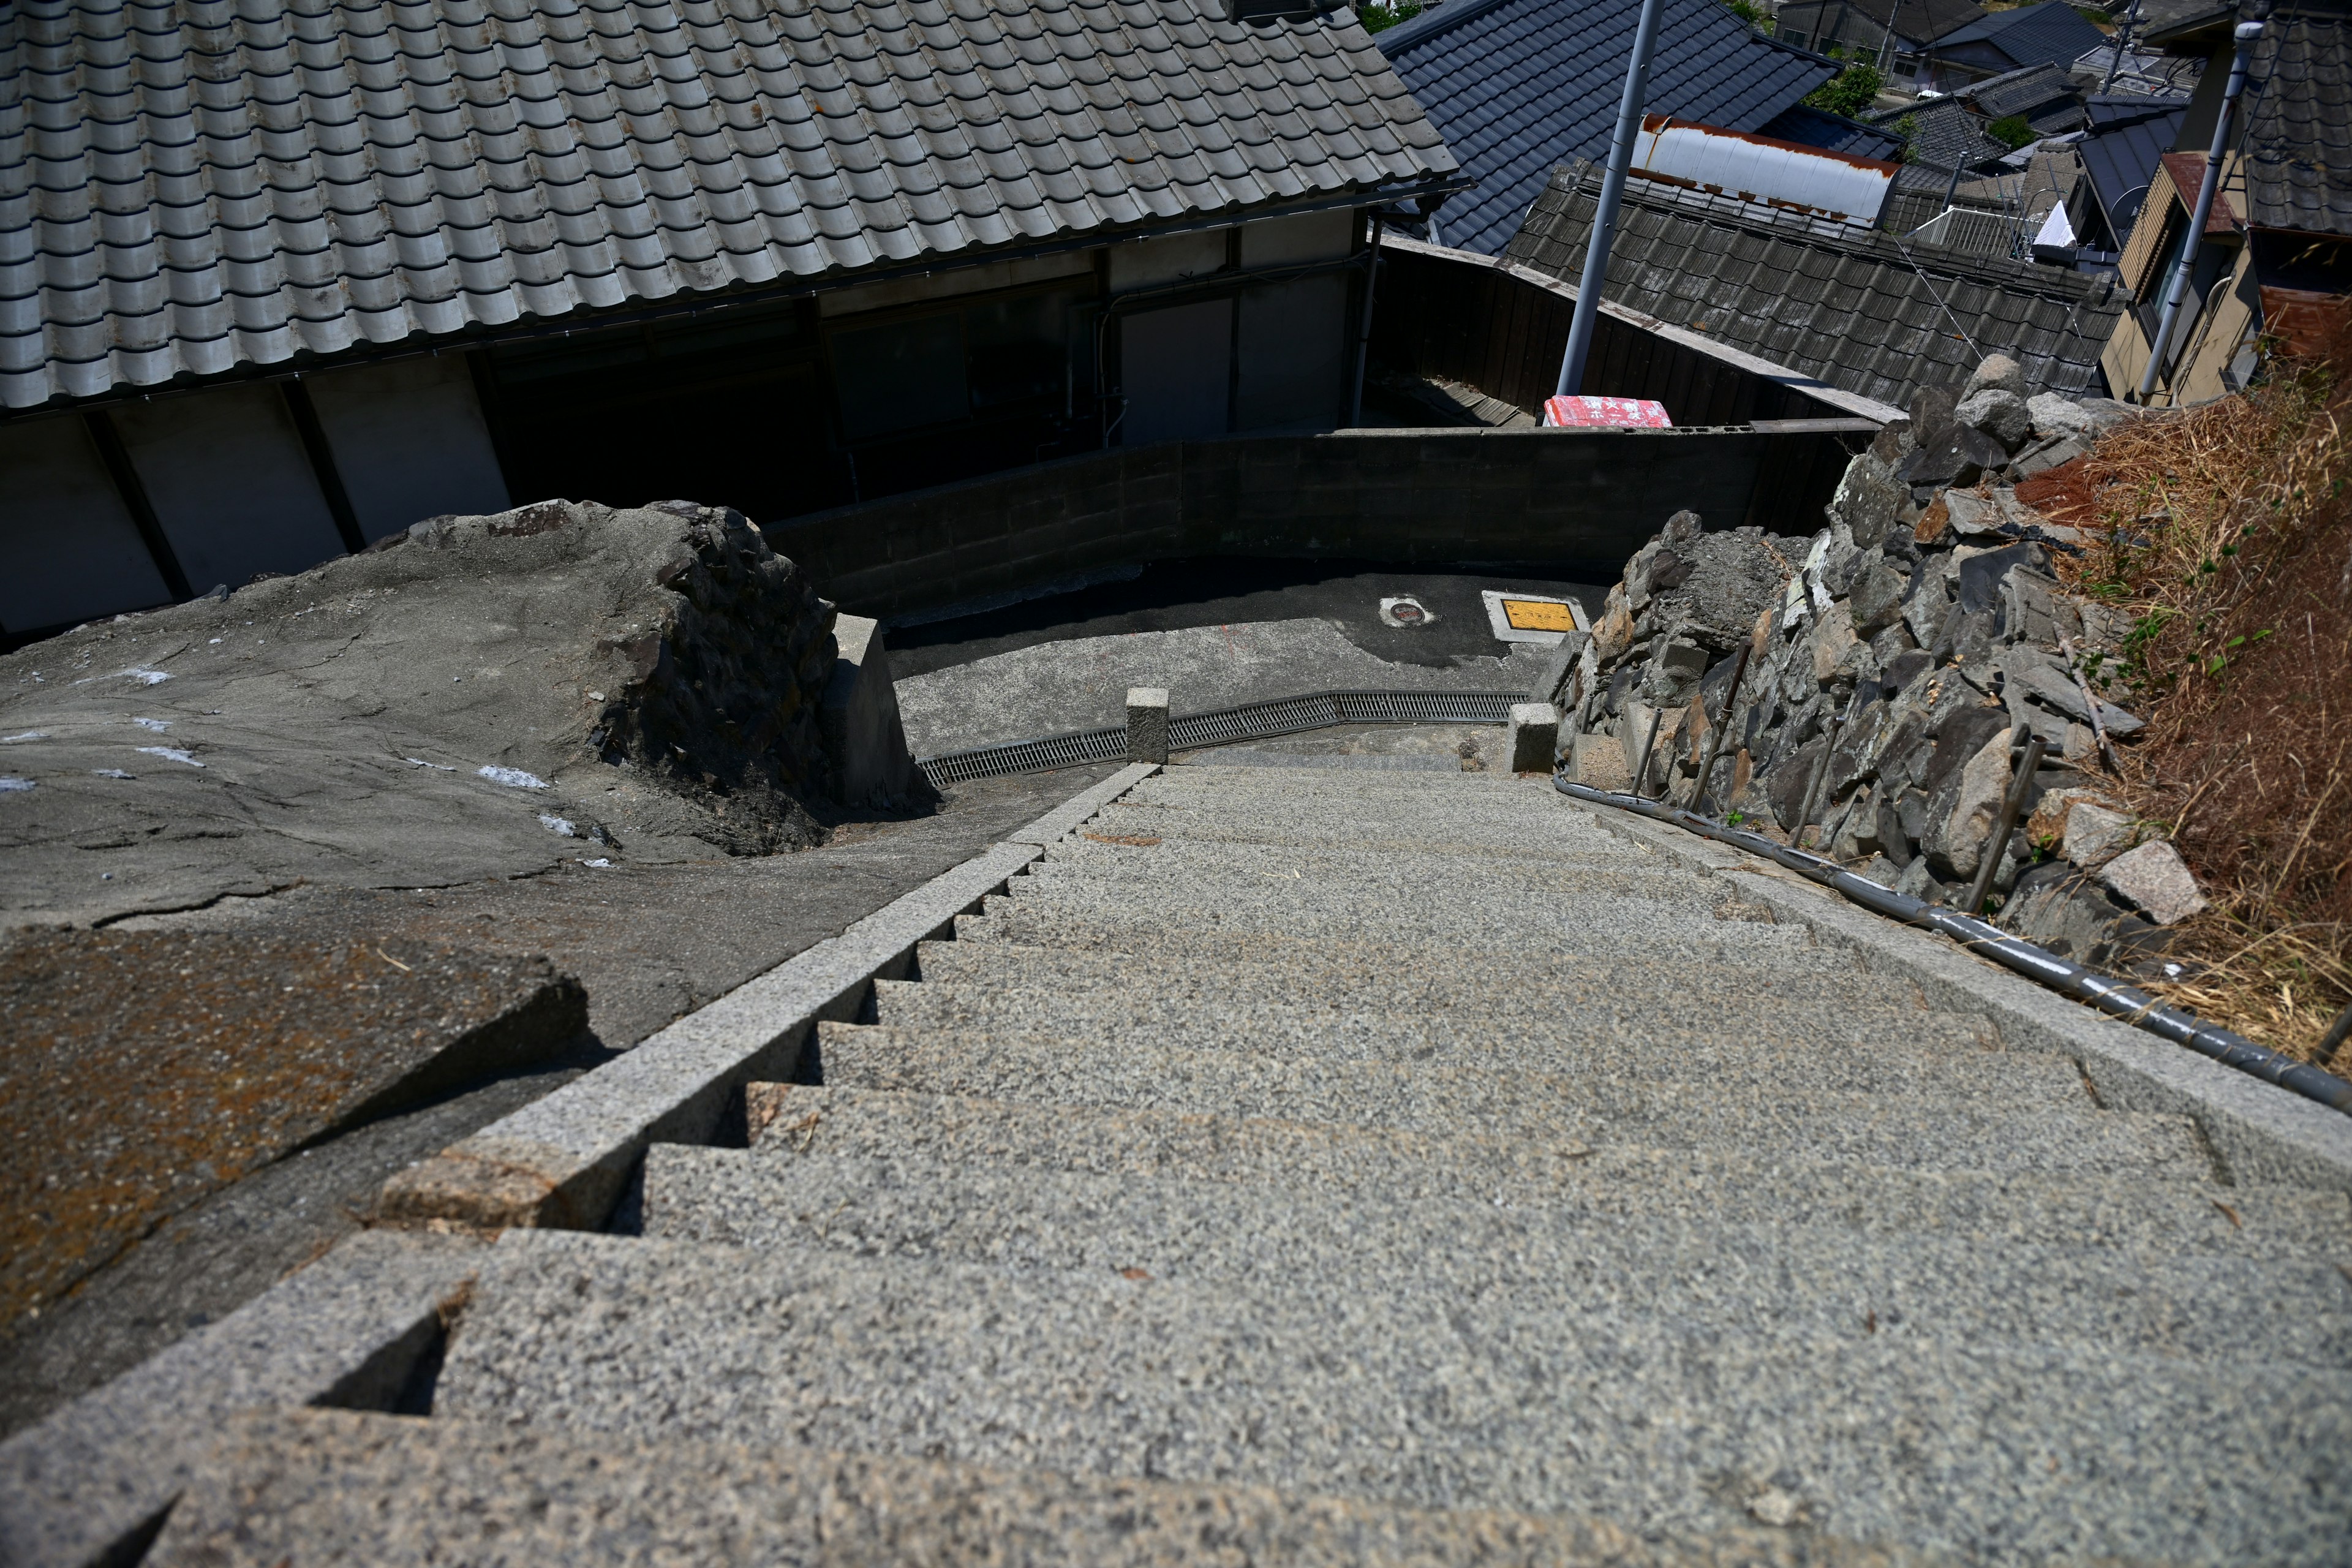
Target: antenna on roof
1612 192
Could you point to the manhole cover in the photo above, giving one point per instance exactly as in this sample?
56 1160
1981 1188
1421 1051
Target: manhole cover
1404 610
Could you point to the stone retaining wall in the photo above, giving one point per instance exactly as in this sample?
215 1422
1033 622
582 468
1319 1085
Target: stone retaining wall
1568 498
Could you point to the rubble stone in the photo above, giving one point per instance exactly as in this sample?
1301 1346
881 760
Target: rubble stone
1868 500
1876 602
2095 834
1831 636
1996 373
2047 826
1999 413
2154 880
1964 808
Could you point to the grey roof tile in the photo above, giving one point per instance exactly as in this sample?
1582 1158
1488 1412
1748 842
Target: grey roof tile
285 175
2298 139
1856 307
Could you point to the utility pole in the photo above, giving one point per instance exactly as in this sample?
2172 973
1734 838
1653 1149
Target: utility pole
1613 192
2123 42
2248 34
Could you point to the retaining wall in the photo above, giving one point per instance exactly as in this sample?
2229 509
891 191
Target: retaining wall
1583 499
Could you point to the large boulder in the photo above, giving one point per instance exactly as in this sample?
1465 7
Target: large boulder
1996 373
478 697
1868 501
1999 413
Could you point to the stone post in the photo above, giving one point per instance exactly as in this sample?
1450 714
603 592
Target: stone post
1147 725
1534 737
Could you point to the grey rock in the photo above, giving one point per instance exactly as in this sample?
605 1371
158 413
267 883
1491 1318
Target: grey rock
1963 807
2095 834
2154 880
1867 499
2068 913
1999 413
1999 373
2046 455
1878 597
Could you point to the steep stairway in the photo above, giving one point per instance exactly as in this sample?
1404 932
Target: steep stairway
1405 1153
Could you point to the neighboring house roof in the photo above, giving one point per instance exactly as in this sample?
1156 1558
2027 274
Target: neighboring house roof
2298 136
2188 174
1860 309
193 186
1518 85
1914 21
1942 130
2043 95
2120 150
2048 33
1831 132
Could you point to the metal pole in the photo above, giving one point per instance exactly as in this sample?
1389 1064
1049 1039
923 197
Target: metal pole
2247 32
1649 743
1822 769
1364 338
1989 862
1715 737
2123 42
1612 192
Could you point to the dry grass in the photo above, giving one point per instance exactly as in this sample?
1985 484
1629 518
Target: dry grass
2225 543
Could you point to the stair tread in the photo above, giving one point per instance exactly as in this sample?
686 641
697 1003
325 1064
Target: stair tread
1416 1397
1621 1183
1440 1099
1752 1279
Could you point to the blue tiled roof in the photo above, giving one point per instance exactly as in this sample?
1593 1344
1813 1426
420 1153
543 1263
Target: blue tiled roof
1833 134
2048 33
1517 87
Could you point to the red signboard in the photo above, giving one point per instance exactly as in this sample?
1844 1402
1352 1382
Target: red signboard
1589 412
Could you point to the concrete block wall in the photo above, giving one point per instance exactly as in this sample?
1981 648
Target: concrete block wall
1566 497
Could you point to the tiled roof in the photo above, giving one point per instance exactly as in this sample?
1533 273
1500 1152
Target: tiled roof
2043 95
1831 132
1518 85
2119 153
1915 21
2050 33
1941 128
2299 130
187 187
1862 310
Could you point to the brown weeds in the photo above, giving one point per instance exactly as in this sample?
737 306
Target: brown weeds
2223 545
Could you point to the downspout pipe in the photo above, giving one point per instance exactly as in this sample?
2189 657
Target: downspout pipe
1612 194
1364 337
2127 1003
2207 189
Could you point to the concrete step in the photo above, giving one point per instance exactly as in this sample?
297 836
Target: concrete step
1443 915
1754 947
1172 855
1502 835
1425 1397
1371 878
1749 1280
1446 1101
1602 1068
1416 979
1610 1186
346 1486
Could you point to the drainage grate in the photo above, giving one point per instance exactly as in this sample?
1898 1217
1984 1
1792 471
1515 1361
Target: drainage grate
1219 726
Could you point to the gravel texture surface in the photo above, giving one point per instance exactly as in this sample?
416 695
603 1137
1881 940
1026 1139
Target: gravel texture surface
1436 1396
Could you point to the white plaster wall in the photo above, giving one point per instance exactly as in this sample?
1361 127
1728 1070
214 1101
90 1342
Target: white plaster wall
409 441
68 550
229 481
1287 241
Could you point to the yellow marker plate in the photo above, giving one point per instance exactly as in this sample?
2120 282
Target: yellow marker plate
1536 615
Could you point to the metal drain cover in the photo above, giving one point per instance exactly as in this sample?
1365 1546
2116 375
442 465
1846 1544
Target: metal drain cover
1404 610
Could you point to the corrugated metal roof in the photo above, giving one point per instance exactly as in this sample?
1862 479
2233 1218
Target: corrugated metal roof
189 186
2298 140
1853 308
2049 34
1518 85
1836 186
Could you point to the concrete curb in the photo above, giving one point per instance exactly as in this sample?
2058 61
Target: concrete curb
564 1161
92 1483
2256 1131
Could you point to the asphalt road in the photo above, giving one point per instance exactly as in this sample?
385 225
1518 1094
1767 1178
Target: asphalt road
1176 596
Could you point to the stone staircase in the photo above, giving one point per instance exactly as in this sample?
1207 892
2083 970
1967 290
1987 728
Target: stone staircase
1397 1166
